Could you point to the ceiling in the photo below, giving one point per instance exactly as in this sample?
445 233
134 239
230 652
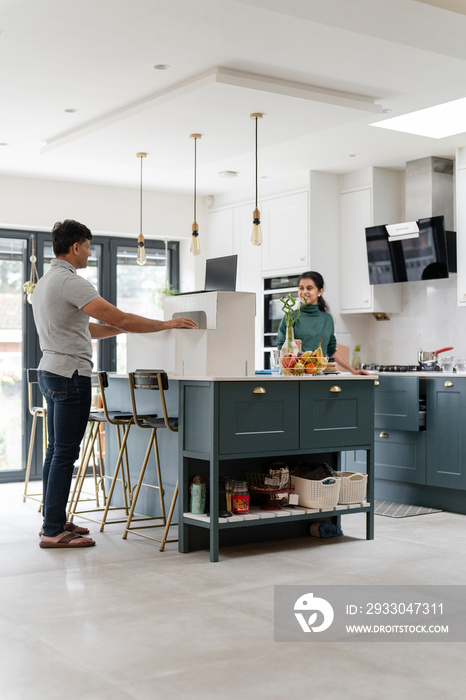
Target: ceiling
320 71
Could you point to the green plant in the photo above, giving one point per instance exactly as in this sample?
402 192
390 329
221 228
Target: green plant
288 307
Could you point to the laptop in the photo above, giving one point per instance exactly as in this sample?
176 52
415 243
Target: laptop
220 275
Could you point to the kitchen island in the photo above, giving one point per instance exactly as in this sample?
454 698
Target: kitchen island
236 424
232 425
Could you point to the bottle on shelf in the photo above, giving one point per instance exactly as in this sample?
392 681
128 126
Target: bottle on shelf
356 364
240 498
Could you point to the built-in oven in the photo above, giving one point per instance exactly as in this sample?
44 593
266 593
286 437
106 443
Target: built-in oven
274 289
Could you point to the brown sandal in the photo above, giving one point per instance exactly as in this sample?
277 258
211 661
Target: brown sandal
66 542
71 527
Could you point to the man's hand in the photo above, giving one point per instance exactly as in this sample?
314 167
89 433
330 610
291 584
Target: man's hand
180 322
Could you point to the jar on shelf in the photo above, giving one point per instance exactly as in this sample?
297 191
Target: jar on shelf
240 498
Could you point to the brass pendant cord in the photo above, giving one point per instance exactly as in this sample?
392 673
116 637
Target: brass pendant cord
140 201
256 161
195 176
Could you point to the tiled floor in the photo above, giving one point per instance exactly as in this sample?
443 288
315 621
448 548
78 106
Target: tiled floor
122 620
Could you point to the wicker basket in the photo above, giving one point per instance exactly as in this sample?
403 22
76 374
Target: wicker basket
317 494
353 487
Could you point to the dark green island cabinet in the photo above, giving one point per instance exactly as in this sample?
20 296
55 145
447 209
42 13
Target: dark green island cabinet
419 440
229 426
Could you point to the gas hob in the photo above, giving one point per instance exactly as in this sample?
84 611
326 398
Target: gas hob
401 368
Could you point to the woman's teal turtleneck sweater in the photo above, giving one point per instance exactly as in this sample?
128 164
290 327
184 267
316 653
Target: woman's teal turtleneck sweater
310 326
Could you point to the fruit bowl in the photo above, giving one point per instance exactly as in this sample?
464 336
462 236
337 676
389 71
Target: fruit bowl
302 365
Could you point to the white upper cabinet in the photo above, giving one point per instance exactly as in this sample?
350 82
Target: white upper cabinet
374 200
461 224
285 231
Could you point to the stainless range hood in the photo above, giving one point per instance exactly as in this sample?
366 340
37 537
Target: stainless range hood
430 189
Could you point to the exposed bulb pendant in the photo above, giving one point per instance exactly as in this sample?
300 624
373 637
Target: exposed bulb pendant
195 245
141 254
256 235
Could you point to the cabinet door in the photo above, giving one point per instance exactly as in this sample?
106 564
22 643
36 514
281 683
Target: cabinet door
356 294
400 456
258 417
446 444
461 234
285 229
396 401
335 414
355 217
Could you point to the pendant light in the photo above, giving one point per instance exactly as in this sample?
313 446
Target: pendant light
141 256
195 246
256 236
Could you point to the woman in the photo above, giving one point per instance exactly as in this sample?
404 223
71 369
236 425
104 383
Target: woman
315 322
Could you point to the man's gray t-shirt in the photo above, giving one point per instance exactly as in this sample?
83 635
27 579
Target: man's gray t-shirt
63 328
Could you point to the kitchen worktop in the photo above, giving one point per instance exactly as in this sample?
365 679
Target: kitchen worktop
278 377
426 373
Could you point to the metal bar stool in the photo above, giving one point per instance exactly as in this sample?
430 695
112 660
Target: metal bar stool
151 380
122 421
36 412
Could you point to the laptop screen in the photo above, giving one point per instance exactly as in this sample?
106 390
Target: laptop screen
220 274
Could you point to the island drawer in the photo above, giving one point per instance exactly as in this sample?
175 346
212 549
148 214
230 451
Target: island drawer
258 417
335 413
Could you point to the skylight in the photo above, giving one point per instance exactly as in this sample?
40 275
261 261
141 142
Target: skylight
436 122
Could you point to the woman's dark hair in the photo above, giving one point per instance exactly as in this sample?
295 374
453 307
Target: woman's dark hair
318 280
66 233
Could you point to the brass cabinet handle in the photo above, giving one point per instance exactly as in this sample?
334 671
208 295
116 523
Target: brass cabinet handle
335 389
376 382
259 390
448 383
384 434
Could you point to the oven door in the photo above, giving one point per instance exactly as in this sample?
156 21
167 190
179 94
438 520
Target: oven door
274 289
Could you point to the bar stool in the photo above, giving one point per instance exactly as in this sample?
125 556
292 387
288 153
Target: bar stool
151 380
36 412
122 421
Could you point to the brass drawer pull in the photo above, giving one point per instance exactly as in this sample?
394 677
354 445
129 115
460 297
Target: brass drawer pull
384 434
258 390
335 389
448 383
376 382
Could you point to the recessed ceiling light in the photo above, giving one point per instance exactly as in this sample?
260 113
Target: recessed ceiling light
161 66
387 110
228 173
70 110
354 155
436 122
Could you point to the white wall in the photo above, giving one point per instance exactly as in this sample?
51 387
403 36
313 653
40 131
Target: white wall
27 203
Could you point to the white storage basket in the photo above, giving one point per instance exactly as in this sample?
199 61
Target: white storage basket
317 494
353 487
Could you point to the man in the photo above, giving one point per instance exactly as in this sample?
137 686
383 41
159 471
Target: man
62 303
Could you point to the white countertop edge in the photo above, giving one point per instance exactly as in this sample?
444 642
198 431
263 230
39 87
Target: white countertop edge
276 378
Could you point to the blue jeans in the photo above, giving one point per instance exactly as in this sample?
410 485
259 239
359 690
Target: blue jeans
68 405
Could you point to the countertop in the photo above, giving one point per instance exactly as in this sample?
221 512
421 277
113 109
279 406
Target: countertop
336 377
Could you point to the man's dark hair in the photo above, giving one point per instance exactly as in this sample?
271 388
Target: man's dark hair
67 233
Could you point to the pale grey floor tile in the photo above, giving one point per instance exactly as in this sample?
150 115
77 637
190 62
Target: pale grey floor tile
124 621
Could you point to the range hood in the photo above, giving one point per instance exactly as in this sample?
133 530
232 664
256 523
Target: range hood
430 189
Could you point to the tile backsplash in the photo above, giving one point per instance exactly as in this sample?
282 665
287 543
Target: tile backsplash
430 319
